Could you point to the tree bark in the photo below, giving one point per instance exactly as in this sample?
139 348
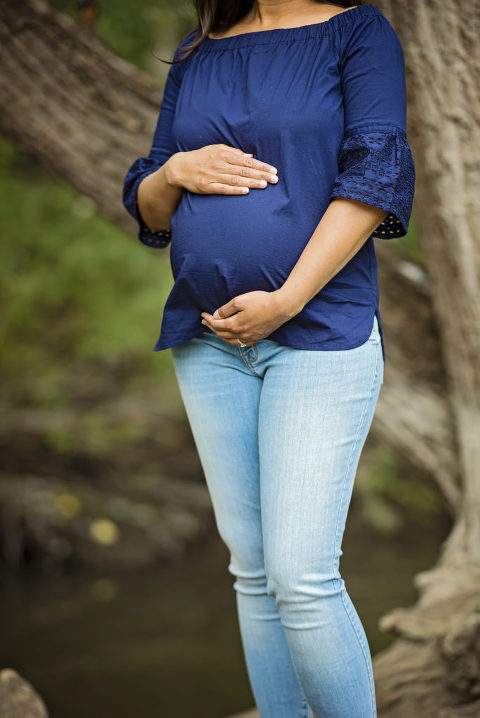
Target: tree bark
72 105
85 114
442 52
437 654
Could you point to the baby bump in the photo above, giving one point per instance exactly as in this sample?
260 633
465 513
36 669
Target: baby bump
237 243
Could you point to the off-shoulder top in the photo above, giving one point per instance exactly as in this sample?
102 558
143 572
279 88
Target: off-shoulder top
326 105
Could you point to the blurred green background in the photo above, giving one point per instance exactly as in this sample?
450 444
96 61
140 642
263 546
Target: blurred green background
130 624
74 287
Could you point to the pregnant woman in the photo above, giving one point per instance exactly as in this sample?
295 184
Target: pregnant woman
279 156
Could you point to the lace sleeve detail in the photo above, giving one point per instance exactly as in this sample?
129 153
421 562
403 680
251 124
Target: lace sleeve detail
376 167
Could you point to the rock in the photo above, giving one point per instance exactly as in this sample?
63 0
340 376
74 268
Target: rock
18 698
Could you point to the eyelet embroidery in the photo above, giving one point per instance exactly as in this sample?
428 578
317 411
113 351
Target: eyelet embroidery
376 167
142 167
158 239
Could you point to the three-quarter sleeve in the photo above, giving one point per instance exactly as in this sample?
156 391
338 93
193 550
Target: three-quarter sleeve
160 151
375 163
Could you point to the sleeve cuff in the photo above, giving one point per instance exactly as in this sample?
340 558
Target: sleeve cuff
158 239
376 167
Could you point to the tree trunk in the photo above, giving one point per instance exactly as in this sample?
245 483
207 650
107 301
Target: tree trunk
79 110
437 654
85 114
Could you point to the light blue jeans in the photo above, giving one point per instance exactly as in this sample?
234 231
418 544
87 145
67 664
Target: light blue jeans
279 432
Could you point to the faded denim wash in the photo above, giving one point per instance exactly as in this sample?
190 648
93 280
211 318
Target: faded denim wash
279 432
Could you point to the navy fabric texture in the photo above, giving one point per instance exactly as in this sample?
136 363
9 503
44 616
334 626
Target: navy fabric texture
324 103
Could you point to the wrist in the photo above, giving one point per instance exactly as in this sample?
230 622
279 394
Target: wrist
288 302
172 168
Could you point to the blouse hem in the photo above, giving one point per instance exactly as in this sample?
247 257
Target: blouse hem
311 346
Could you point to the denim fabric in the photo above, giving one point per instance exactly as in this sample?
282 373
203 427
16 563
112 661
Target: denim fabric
279 432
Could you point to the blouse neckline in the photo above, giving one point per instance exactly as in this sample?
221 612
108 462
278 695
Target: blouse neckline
285 34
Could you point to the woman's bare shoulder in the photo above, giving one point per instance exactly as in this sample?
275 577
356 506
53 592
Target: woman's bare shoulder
244 27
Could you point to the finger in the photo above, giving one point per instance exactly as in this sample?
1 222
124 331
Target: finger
219 188
248 179
229 337
234 341
250 162
227 318
226 310
223 333
246 172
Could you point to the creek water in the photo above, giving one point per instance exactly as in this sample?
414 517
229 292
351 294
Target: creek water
164 642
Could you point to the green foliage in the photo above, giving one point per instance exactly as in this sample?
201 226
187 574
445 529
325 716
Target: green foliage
74 287
136 30
81 301
410 245
391 493
77 292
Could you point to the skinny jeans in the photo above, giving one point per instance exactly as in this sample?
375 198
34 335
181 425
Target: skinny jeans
279 432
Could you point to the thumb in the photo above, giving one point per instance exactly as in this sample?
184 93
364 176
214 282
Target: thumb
225 310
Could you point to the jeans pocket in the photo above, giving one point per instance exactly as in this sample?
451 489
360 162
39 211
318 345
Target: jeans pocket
374 337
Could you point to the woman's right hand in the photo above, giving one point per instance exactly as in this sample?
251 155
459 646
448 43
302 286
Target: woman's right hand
218 169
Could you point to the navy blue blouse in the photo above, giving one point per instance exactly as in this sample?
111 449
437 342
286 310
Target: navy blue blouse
325 104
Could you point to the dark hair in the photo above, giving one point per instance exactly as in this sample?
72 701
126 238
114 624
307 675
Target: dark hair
219 15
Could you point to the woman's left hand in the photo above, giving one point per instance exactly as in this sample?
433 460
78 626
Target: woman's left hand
250 317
